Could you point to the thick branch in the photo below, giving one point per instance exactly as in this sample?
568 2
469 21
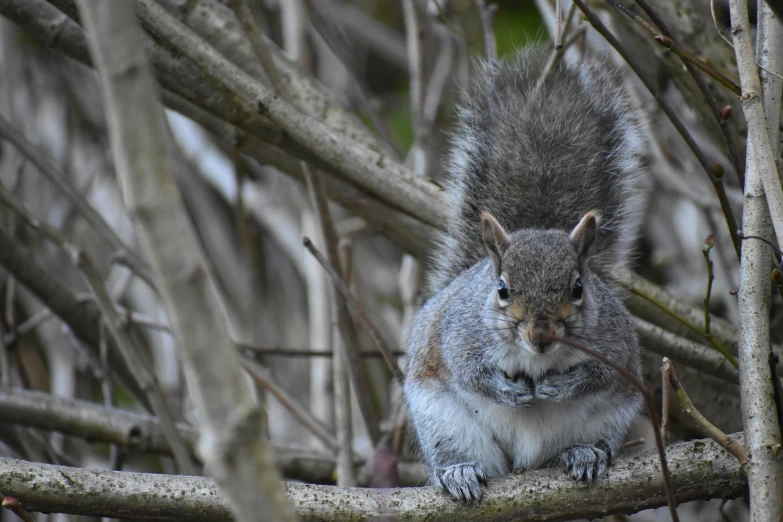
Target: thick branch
187 87
759 415
356 163
761 151
143 433
703 470
231 442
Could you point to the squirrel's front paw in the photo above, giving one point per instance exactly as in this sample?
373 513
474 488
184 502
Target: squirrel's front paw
586 462
552 387
515 393
462 481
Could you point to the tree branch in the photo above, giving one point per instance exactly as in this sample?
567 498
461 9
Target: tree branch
759 415
81 317
361 166
687 352
760 149
231 443
703 470
143 433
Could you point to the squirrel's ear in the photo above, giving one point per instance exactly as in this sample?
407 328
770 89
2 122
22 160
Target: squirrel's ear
584 233
495 238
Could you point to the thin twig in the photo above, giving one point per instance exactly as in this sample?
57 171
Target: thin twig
275 351
48 169
634 443
346 473
706 427
668 42
263 377
715 175
682 320
717 26
350 344
646 392
388 355
12 504
723 122
558 52
763 239
665 399
29 325
487 14
708 244
245 17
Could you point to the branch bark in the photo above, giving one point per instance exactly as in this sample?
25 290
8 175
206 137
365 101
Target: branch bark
232 443
702 470
143 433
760 151
759 415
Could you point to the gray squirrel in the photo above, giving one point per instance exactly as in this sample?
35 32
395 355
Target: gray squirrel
545 198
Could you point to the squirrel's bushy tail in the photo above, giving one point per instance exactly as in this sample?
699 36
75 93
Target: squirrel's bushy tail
541 156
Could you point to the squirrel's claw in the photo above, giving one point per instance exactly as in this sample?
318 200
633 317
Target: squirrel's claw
462 481
585 463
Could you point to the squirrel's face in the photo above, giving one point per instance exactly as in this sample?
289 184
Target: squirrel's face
540 287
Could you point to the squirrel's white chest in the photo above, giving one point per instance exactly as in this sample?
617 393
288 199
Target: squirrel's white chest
529 437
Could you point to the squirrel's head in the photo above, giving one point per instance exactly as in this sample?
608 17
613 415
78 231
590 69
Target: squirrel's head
541 283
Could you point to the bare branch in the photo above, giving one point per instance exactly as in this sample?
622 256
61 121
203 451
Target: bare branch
262 376
123 342
704 470
81 317
759 415
11 504
685 351
487 14
49 170
706 427
343 419
360 315
761 152
717 112
277 351
232 444
665 39
360 165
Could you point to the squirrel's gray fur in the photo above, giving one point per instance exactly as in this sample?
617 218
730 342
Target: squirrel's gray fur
541 158
545 199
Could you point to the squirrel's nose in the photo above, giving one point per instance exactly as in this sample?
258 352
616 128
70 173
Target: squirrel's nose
539 334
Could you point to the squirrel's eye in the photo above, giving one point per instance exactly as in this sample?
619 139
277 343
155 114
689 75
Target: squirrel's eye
577 291
503 291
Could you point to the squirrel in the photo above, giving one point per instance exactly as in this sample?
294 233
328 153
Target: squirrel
544 199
